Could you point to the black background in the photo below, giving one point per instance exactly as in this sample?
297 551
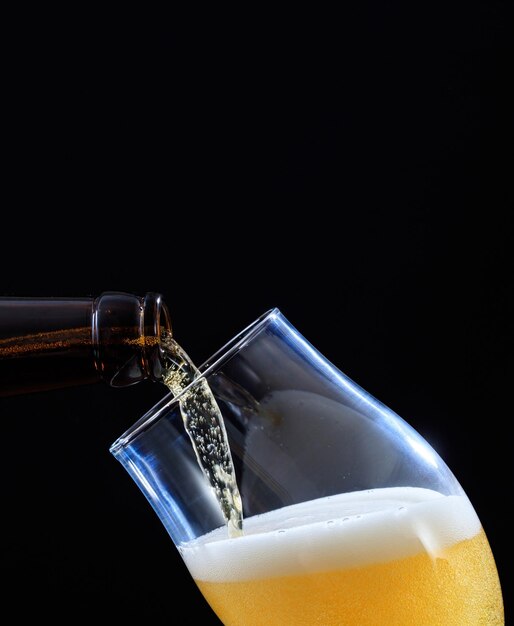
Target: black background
352 169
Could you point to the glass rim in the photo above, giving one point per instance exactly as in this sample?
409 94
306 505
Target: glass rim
208 367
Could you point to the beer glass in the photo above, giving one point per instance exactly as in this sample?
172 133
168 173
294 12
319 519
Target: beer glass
349 516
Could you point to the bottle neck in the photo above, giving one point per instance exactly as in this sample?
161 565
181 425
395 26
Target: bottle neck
126 336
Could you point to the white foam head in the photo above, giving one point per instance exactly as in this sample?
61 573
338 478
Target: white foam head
336 532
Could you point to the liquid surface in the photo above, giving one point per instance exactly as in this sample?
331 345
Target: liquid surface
389 556
204 424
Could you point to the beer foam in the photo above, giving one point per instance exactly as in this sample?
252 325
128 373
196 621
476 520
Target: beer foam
343 531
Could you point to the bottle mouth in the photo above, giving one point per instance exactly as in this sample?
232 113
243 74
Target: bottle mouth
127 333
156 319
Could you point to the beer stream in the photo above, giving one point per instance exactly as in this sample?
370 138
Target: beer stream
204 424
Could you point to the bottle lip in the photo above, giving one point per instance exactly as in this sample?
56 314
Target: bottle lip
126 334
208 367
156 315
155 318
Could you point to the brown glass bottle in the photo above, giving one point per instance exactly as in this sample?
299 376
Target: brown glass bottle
50 343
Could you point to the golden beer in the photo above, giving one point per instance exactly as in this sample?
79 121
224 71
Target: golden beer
396 556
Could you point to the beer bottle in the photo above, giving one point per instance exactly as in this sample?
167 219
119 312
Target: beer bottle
50 343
